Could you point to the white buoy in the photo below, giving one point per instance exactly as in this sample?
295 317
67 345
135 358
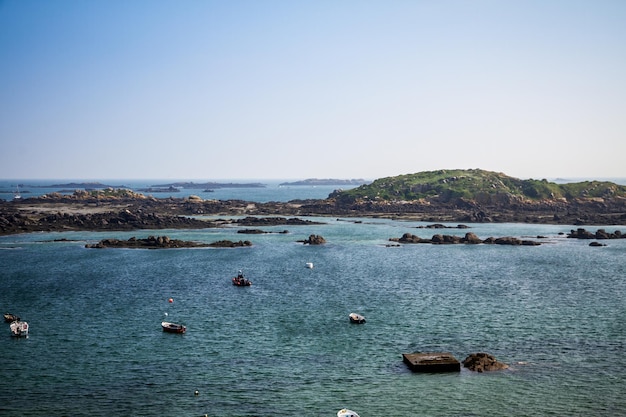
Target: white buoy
309 265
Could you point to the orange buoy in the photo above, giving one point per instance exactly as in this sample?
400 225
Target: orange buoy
171 300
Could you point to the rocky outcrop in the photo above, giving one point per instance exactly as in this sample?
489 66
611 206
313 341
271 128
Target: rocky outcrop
480 362
469 238
230 244
151 242
314 240
119 209
273 221
443 226
162 242
258 232
599 234
17 222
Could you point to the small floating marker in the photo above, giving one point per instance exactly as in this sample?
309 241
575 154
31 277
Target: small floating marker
309 265
171 300
196 393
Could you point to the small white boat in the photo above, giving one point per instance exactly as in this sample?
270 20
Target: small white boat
19 329
344 412
309 265
356 318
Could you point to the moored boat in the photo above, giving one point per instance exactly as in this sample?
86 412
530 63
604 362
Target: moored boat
19 328
344 412
8 317
241 281
356 318
173 327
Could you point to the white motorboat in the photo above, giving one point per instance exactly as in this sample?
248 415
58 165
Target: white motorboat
19 329
356 318
344 412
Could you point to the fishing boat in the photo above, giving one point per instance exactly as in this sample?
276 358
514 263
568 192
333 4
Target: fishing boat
344 412
356 318
19 329
9 318
173 327
241 281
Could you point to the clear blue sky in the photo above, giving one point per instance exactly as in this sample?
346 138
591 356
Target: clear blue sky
269 89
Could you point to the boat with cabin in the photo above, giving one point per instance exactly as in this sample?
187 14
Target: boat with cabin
19 328
241 281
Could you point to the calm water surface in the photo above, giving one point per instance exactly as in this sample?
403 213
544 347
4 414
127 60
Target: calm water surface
284 346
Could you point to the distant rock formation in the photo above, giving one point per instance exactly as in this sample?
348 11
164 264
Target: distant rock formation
273 221
210 185
329 181
480 362
258 232
230 244
162 242
314 240
151 242
159 190
469 238
16 222
442 226
599 234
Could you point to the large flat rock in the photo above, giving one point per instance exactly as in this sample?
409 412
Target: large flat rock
431 362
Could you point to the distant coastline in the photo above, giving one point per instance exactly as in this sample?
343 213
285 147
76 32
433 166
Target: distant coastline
210 185
328 181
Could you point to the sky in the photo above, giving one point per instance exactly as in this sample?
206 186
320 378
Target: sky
283 89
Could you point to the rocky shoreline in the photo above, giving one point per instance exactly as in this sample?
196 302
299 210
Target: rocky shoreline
84 211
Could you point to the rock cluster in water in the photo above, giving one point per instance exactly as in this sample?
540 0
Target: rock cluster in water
469 238
599 234
272 221
313 240
163 242
18 222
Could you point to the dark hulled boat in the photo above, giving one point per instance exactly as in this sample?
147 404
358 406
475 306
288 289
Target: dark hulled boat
173 327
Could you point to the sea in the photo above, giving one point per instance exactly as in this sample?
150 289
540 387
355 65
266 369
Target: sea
555 313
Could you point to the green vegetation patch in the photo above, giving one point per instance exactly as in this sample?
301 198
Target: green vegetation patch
474 184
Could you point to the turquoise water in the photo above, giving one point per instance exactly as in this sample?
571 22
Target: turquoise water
271 190
284 346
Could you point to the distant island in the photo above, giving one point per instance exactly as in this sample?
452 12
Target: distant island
83 185
210 185
329 181
159 190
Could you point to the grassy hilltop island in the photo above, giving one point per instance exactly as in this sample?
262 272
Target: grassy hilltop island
480 186
479 195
